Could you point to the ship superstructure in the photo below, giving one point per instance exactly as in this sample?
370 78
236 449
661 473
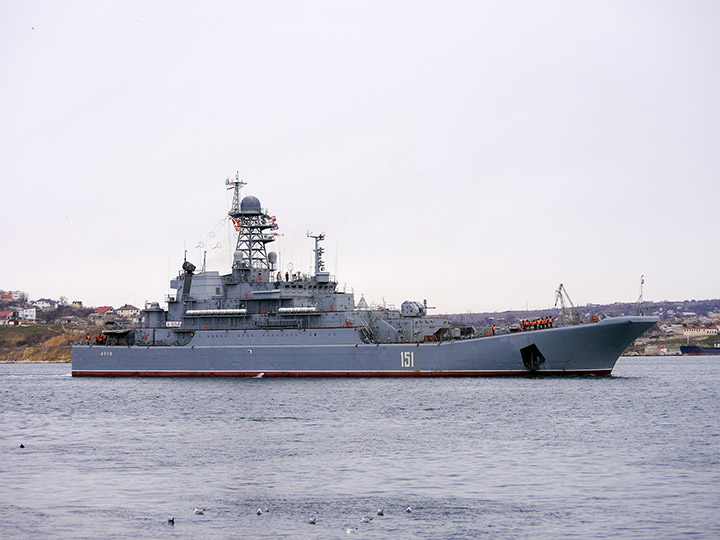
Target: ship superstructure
258 319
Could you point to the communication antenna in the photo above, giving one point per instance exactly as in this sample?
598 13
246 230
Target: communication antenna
234 213
319 263
237 185
640 298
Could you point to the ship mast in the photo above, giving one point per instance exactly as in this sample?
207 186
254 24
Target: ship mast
236 184
319 263
250 222
640 298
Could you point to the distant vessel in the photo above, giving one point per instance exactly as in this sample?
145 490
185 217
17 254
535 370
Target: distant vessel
697 350
258 321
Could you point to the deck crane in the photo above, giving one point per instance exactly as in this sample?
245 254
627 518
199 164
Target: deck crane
562 296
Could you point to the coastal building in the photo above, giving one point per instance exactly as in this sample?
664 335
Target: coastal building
28 314
45 304
692 331
103 313
6 298
8 318
128 312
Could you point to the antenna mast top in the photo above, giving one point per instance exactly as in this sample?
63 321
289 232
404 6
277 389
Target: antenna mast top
640 298
236 184
319 263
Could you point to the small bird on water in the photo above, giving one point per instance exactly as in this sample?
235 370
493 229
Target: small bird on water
22 445
199 511
366 519
171 520
312 521
408 510
380 512
259 512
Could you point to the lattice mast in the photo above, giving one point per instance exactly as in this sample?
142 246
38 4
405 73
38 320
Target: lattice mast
250 222
236 184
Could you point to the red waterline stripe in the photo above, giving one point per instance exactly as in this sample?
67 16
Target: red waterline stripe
111 373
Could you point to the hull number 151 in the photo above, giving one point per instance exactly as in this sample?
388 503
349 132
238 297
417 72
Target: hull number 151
407 359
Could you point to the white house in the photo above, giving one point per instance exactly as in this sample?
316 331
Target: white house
128 312
28 314
105 311
45 304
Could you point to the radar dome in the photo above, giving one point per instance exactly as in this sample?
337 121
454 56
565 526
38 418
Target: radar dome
250 205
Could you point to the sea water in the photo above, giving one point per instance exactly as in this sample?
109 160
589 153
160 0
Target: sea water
634 455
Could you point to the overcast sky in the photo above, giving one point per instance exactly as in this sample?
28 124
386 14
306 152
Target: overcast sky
475 154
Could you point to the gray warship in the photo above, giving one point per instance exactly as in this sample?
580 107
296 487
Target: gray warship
258 321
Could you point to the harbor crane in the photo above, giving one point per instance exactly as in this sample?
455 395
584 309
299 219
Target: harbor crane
563 298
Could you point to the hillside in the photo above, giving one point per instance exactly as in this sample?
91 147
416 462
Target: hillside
42 343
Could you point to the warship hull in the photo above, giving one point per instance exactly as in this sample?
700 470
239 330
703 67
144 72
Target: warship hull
589 349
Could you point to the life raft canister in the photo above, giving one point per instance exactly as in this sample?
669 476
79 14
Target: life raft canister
593 319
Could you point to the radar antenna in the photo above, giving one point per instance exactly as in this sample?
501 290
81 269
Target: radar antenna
562 297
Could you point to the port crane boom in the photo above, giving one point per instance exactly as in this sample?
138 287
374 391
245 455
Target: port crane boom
563 298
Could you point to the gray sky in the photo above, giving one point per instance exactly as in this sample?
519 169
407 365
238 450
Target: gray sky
476 154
